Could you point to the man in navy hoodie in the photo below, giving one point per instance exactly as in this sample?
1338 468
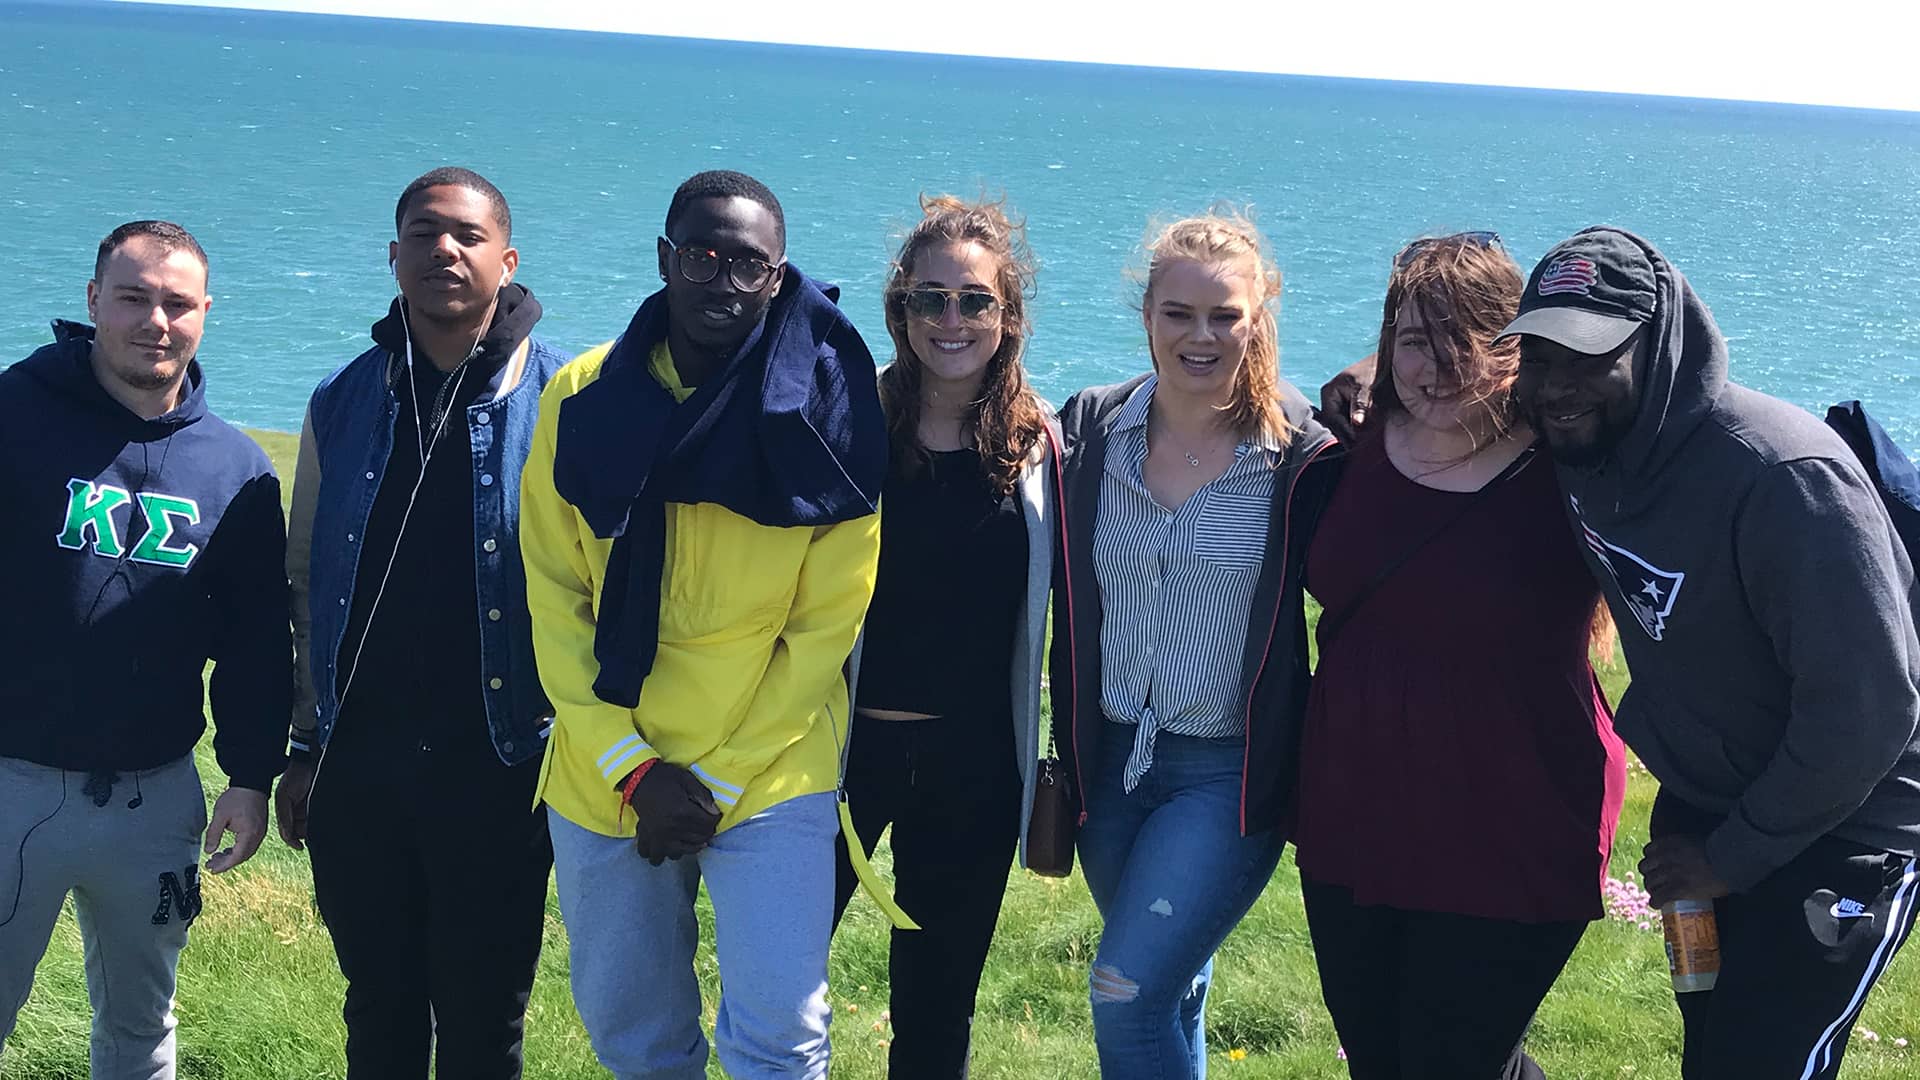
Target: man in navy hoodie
1767 609
144 540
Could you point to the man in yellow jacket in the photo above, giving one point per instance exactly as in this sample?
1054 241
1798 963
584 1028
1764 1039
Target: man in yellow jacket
700 533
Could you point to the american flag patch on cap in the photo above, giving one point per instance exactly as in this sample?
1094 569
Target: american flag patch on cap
1569 274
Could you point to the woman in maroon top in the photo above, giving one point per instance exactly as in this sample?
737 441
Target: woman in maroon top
1460 778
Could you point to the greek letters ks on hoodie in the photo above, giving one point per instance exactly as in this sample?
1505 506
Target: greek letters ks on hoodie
136 551
1766 607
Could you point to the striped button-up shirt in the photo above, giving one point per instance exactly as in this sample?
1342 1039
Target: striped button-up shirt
1177 588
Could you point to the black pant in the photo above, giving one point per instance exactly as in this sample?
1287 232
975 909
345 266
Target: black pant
1419 994
431 874
951 790
1796 963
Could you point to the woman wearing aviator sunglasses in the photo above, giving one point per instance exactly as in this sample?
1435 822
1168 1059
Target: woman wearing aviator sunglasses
946 677
1459 775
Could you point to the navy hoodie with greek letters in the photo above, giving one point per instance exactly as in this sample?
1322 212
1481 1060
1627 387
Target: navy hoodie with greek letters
135 552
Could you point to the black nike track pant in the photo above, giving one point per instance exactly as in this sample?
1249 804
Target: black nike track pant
1798 954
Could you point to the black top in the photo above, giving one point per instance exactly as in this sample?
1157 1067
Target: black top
953 574
418 679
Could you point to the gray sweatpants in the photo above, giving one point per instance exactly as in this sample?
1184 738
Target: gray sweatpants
133 871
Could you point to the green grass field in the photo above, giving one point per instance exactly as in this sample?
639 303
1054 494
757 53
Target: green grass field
260 996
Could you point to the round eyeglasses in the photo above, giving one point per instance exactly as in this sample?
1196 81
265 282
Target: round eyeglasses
700 265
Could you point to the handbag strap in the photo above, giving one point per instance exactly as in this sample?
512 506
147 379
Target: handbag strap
1056 453
1330 628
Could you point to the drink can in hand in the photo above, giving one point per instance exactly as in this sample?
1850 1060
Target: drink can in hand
1693 944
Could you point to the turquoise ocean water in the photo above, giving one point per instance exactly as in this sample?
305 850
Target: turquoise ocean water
283 140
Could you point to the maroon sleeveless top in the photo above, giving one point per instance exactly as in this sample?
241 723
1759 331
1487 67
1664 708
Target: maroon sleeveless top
1458 756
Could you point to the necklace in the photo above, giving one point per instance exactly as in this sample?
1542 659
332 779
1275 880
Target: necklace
428 435
1193 460
443 400
1404 441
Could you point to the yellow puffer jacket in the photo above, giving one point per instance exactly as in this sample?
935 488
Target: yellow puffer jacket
756 622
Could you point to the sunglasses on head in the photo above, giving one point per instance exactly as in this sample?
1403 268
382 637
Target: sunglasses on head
701 265
1480 238
977 307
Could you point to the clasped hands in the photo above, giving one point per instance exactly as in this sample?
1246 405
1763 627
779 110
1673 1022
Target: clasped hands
674 813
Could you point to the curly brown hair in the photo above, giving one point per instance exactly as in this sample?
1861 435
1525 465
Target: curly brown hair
1467 289
1007 419
1227 235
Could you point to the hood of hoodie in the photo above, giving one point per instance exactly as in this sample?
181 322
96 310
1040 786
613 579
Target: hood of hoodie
1685 373
514 317
65 369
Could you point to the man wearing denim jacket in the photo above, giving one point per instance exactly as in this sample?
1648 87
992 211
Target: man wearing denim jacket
420 721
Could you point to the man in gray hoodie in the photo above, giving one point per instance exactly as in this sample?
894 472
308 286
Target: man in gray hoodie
1767 610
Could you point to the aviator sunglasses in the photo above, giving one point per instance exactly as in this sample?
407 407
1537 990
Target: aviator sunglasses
977 308
1479 238
700 265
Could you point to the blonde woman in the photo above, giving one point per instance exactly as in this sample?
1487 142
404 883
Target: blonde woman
1180 657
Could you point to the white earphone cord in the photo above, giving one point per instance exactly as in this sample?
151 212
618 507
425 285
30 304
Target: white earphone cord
426 454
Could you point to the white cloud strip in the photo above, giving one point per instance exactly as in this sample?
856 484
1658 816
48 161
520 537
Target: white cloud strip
1843 52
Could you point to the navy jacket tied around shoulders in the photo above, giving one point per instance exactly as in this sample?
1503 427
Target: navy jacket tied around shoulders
788 433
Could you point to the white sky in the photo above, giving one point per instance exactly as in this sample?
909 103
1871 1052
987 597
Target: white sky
1837 52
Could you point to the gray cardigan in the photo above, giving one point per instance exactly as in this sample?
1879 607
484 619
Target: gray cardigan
1040 507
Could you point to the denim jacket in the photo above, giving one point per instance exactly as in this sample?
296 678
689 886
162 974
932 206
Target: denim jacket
344 446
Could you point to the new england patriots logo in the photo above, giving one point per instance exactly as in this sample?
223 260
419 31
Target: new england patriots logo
1649 591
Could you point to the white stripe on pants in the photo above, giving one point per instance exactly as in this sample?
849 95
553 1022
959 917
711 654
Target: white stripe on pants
1899 921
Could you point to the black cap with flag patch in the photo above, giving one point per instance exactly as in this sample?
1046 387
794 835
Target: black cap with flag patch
1590 293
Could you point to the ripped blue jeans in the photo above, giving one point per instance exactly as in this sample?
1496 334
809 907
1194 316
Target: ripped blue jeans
1171 874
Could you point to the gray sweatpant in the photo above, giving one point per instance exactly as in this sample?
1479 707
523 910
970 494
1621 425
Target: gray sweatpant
132 866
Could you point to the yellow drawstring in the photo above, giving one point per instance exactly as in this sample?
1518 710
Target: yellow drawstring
862 869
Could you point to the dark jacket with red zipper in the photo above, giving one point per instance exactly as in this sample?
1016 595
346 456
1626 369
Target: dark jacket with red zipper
1274 670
